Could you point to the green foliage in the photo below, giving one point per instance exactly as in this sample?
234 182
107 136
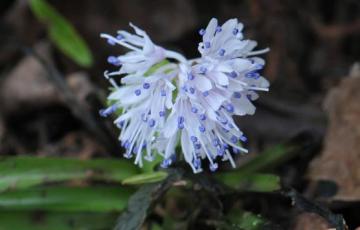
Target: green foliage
23 172
24 187
268 159
244 220
62 33
156 67
145 178
59 198
24 220
255 182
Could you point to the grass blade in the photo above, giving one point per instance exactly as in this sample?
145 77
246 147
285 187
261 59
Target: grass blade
23 172
77 199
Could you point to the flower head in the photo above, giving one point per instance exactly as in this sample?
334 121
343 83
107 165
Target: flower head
186 103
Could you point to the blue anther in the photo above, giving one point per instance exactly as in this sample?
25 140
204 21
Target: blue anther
233 74
234 139
237 95
221 52
120 37
137 92
111 41
193 139
181 119
235 31
230 108
180 125
243 138
146 85
151 123
191 76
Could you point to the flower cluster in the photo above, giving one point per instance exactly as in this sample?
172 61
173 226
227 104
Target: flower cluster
165 100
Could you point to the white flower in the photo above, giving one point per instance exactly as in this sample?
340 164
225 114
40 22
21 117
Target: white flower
144 53
187 103
144 101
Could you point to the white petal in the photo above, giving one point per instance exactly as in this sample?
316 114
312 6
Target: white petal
202 83
210 30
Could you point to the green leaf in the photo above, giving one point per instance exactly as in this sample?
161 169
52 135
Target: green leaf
91 199
140 202
23 172
269 159
62 33
23 220
145 178
149 166
245 220
250 182
246 177
156 67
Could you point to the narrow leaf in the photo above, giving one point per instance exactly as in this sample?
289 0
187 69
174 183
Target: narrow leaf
146 178
91 199
23 220
62 33
22 171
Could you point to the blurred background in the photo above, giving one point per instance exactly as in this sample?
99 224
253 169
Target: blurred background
52 61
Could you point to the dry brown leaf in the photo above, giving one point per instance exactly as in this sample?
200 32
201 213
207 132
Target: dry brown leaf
310 221
340 159
27 84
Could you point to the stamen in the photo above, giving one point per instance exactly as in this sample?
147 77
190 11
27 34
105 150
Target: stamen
193 139
111 41
194 110
202 117
120 37
230 108
151 123
192 90
235 31
233 74
181 119
137 92
221 52
237 95
234 139
190 76
146 85
243 138
206 93
113 60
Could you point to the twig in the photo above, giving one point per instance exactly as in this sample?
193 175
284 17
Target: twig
85 116
336 220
